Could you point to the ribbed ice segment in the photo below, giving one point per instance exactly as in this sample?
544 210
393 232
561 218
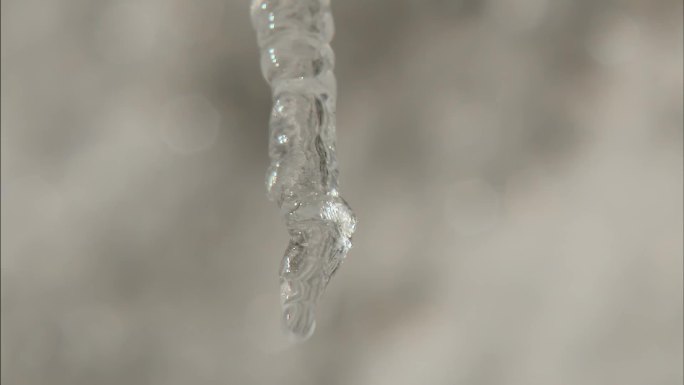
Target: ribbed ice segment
297 62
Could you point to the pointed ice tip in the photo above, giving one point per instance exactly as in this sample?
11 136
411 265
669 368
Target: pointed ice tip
299 320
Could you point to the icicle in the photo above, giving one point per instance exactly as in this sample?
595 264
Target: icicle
297 62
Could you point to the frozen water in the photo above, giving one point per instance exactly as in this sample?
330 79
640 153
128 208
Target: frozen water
297 62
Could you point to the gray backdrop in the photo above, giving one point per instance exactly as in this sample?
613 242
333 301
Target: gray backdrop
515 166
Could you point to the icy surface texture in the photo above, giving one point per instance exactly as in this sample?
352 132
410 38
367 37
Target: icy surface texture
297 62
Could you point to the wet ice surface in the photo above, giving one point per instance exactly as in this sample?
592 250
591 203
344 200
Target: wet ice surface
297 61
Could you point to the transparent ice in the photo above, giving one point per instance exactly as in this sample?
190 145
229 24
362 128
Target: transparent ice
297 61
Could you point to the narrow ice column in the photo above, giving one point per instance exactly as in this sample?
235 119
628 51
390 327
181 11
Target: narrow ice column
297 61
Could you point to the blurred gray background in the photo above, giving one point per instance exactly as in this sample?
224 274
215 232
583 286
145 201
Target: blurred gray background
515 166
